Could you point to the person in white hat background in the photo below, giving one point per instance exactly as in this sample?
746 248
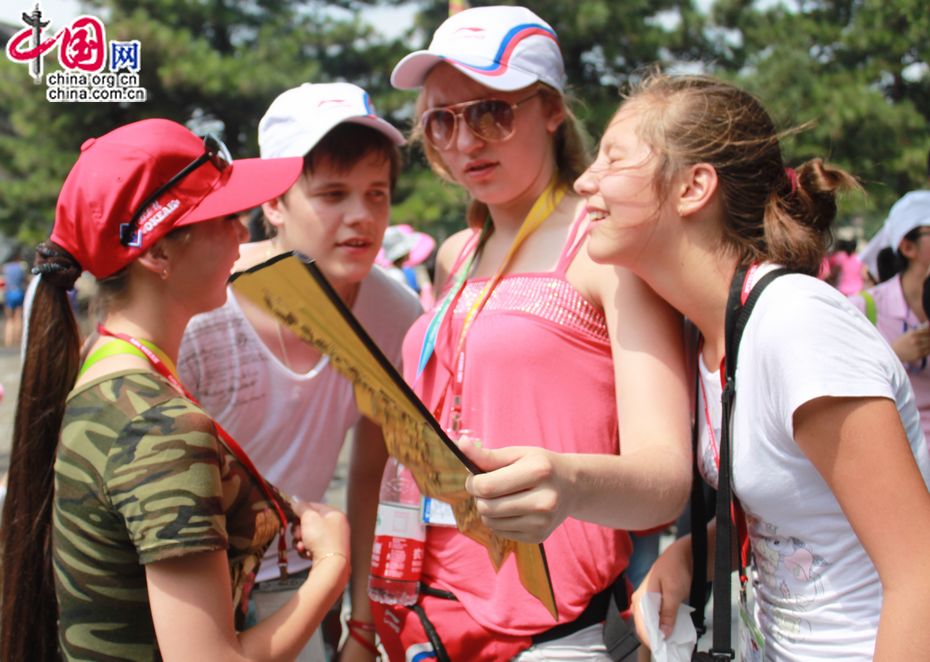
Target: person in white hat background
895 305
403 255
569 359
280 397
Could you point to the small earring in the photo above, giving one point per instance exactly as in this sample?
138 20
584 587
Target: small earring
164 273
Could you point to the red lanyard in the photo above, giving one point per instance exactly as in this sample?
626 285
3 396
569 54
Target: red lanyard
228 441
748 282
710 425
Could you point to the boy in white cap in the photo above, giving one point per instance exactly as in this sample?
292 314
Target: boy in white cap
276 395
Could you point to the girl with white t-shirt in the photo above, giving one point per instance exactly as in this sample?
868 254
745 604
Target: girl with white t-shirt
829 461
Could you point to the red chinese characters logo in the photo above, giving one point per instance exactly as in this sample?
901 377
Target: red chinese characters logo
81 45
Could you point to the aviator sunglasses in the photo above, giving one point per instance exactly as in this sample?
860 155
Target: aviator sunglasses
214 151
488 119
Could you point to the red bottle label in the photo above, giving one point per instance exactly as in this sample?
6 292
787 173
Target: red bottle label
397 552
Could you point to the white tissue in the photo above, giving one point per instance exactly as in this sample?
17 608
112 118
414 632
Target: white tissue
678 646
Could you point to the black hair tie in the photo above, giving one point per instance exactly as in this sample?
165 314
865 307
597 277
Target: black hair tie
56 265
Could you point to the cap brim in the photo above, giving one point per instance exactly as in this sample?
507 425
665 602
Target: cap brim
250 183
411 71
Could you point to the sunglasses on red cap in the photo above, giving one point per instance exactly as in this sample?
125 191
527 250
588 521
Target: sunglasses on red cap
488 119
215 152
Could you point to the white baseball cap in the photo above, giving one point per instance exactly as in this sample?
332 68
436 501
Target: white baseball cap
298 118
504 48
909 212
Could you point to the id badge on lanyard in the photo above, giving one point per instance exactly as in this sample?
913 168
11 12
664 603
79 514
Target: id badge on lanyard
436 513
751 641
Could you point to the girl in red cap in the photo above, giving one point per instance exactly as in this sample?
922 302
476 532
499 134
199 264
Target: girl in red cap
133 524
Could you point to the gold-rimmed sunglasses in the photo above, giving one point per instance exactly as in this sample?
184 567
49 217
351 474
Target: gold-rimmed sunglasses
488 119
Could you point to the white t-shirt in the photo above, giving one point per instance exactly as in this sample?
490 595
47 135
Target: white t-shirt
817 593
291 425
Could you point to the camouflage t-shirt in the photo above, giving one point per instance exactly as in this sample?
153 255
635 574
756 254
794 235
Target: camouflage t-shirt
140 477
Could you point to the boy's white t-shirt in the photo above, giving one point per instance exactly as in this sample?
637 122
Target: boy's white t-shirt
817 593
291 425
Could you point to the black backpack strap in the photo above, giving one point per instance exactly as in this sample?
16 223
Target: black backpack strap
619 636
698 507
737 316
434 639
698 596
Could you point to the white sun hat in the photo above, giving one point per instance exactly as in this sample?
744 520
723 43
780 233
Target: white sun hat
504 48
909 212
298 118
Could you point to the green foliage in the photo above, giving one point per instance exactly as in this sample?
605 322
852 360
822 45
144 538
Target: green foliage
425 201
855 69
210 64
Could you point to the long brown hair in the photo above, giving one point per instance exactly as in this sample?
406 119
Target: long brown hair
772 213
572 149
29 612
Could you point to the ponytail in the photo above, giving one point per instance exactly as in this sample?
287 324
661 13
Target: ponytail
889 263
29 610
797 218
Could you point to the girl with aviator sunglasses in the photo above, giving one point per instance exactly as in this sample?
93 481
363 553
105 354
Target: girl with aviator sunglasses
550 353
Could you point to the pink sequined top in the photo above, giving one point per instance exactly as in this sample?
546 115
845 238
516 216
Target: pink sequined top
538 371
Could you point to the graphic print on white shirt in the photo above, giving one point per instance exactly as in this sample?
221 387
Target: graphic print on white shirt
789 569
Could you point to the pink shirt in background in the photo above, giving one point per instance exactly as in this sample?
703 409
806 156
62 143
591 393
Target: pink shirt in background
849 280
894 319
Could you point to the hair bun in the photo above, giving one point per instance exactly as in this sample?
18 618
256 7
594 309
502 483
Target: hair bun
56 265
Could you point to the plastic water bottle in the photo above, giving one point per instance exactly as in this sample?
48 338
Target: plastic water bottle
400 535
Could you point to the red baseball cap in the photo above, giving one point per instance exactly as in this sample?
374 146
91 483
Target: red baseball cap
116 173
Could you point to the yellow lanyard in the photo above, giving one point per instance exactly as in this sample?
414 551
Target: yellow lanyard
542 208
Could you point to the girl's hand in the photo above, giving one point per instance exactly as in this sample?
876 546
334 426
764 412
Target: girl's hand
524 494
670 576
913 345
322 530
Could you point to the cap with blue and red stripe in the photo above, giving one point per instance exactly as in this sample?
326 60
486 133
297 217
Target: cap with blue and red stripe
503 48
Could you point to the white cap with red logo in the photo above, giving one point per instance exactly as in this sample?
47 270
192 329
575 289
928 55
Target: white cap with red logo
298 118
504 48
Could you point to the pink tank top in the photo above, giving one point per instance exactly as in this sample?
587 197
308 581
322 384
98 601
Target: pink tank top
538 372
